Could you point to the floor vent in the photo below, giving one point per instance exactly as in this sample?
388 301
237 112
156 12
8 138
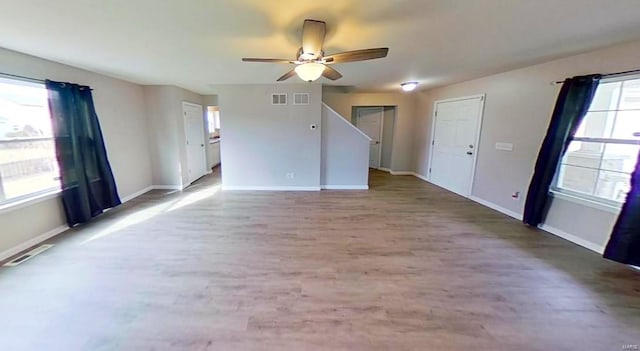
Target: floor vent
38 250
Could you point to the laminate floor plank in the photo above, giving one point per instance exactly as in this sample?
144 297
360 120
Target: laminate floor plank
402 266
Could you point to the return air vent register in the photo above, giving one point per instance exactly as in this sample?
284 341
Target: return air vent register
278 99
301 99
29 255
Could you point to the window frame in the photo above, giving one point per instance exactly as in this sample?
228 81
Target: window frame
32 198
588 199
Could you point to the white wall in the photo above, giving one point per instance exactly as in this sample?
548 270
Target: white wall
261 143
345 153
518 108
121 110
402 154
167 141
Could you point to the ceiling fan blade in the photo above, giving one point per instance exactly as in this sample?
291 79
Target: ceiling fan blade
312 38
331 73
250 59
357 55
287 75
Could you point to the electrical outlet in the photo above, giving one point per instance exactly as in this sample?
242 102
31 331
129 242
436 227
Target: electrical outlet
290 175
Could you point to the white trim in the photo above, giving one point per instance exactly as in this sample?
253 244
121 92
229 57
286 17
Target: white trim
495 207
585 202
270 188
420 176
203 128
11 206
32 242
168 187
401 172
482 98
551 230
344 187
384 169
572 238
136 194
346 121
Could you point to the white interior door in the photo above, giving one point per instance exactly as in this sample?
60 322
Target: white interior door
454 143
194 135
369 120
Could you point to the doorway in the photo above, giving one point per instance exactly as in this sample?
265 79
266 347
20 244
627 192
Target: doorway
454 140
195 143
378 123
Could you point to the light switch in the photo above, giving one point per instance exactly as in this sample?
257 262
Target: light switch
504 146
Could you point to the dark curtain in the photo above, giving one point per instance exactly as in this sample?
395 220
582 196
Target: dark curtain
624 244
88 186
572 104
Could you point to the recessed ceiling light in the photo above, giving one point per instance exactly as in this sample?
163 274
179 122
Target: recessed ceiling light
409 86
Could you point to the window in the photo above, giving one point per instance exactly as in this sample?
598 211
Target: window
213 121
601 157
28 165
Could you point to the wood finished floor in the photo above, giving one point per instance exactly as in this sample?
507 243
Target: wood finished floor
403 266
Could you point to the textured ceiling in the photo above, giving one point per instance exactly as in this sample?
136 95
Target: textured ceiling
196 43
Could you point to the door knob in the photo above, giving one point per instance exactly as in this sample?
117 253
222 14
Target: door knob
469 153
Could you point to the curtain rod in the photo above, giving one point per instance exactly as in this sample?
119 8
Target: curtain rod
608 75
29 79
22 77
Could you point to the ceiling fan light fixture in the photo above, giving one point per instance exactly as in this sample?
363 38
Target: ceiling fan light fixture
409 86
309 71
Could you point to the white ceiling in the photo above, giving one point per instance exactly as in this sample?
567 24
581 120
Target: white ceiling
196 43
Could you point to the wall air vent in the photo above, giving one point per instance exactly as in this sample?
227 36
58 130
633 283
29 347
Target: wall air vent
27 256
301 99
278 99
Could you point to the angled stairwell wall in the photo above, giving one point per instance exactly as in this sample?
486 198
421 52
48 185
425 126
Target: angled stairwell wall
344 153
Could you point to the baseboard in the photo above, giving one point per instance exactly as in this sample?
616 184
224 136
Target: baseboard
32 242
420 176
384 169
344 187
574 239
270 188
401 172
495 207
136 194
53 232
166 187
555 231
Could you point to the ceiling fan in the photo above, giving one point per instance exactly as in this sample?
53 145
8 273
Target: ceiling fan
311 62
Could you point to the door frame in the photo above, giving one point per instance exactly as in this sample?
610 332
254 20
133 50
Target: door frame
184 123
482 98
380 132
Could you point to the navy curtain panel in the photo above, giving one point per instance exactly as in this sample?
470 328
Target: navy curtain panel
88 187
624 244
573 102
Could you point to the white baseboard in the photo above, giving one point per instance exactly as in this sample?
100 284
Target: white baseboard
420 176
401 172
167 187
136 194
270 188
495 207
574 239
555 231
344 187
32 242
384 169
